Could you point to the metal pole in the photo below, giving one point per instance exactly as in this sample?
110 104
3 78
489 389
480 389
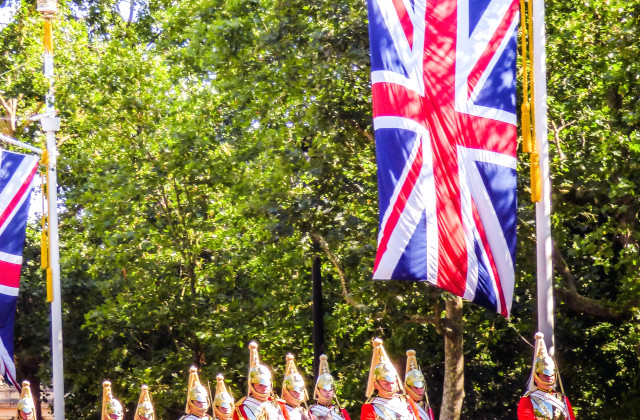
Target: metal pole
543 207
50 125
318 316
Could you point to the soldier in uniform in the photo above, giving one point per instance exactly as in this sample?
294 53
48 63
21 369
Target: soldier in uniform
542 401
389 403
294 392
198 401
26 407
260 403
325 394
223 402
144 410
111 408
416 386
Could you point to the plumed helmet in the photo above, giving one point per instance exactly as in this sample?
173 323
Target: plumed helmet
195 390
413 376
325 380
145 407
381 367
545 364
293 381
109 404
542 363
258 373
222 398
25 404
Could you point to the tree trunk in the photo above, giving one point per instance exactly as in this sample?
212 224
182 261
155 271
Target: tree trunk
453 392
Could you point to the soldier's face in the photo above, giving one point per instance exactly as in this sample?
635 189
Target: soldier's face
418 391
263 389
390 386
327 395
224 410
26 416
199 407
547 381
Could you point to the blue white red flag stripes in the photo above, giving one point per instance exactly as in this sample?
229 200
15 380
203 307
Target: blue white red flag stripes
16 174
443 81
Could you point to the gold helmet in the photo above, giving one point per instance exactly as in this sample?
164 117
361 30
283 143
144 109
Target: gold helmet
222 399
293 381
325 380
381 368
25 404
110 406
413 377
195 392
258 373
542 364
145 407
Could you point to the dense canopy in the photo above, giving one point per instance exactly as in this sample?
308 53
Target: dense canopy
211 150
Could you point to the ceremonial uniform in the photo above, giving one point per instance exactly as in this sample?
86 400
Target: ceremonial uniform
325 394
396 408
330 412
250 408
259 404
198 400
542 401
538 405
388 404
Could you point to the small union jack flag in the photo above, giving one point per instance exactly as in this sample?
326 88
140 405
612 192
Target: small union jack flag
16 173
444 109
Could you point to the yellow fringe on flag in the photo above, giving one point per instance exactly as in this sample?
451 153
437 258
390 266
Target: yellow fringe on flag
48 36
536 182
44 237
528 101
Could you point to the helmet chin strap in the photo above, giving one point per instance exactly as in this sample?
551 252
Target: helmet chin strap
322 400
219 414
197 411
414 396
291 398
538 380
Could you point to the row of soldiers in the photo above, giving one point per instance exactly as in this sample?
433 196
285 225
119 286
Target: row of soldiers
388 398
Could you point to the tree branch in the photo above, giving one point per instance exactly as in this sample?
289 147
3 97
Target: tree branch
579 303
322 243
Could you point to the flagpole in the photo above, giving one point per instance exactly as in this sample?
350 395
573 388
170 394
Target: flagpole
50 125
543 207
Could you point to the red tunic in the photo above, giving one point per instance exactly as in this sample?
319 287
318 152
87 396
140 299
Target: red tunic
525 409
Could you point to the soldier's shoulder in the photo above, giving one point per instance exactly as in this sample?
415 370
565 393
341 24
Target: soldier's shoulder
240 401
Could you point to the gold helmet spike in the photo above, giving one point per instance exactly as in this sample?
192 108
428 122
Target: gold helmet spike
258 373
325 380
109 404
195 390
144 410
542 362
381 367
25 404
293 381
222 399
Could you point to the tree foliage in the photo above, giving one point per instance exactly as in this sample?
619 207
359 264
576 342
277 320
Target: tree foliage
210 150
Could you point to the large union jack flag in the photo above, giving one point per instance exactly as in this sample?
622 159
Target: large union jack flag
16 173
443 81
